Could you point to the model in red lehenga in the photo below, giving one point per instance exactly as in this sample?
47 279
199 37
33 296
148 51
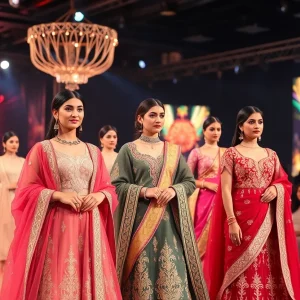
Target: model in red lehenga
63 246
252 254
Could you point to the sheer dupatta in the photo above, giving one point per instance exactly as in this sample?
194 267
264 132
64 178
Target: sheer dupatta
215 274
38 180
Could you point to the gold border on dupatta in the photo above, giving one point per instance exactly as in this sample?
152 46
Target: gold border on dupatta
249 255
41 209
126 226
50 152
281 238
97 251
154 213
189 244
38 219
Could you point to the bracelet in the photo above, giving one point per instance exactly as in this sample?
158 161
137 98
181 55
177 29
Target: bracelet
231 220
145 194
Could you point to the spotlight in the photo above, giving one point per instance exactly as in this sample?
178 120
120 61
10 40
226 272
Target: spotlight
14 3
4 64
2 98
175 80
142 64
237 69
79 16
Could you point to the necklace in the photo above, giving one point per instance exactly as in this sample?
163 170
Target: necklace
150 140
248 146
64 142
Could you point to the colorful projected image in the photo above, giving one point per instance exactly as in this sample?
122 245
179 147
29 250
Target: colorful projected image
296 127
183 125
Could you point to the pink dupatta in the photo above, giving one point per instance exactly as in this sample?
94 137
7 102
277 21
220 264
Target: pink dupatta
38 180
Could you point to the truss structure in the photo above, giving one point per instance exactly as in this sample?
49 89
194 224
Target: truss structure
256 55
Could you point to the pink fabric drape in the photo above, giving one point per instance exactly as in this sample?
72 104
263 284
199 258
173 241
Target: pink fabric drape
38 180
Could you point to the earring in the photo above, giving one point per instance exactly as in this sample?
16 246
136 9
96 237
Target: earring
56 126
241 137
80 128
141 130
259 138
4 149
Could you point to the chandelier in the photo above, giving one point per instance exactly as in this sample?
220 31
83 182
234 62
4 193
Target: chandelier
72 52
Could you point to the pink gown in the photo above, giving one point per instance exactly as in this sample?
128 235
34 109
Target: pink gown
67 272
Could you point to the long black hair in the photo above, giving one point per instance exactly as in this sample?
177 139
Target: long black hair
210 120
59 99
241 118
143 108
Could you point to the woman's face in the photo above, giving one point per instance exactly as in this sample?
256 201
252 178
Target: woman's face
70 115
298 193
109 140
213 132
12 145
153 121
253 127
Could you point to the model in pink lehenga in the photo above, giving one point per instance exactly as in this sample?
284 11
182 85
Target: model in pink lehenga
252 250
64 240
205 162
10 169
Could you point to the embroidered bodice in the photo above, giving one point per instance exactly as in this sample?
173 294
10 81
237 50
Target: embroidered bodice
205 166
75 172
146 164
248 173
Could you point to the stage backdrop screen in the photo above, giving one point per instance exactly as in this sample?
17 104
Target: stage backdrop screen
296 127
183 126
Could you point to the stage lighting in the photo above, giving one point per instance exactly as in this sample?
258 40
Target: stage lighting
237 69
175 80
142 64
2 98
79 16
4 64
14 3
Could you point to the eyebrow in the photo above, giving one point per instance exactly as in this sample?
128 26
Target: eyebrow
255 119
68 105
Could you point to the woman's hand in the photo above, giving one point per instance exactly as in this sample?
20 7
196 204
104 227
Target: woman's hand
166 195
235 234
269 194
72 199
211 186
91 201
154 192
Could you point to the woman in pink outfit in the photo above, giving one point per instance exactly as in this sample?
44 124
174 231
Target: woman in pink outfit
63 246
206 162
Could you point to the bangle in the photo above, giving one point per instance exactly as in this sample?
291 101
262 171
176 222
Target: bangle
231 220
145 194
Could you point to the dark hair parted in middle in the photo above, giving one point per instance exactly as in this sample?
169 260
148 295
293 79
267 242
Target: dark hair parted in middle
210 120
143 108
59 99
242 116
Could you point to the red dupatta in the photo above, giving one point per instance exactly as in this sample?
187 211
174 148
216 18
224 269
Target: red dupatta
38 180
220 269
